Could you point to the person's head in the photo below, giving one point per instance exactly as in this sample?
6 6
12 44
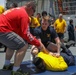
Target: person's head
35 51
60 16
45 23
38 15
13 5
70 21
44 13
30 7
39 63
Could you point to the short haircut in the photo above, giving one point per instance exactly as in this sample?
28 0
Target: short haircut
31 3
38 62
70 21
38 14
13 5
60 15
44 13
46 18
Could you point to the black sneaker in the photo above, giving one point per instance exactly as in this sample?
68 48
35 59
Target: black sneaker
19 72
70 43
8 67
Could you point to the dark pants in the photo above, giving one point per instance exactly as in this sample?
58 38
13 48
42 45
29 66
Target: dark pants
68 57
71 36
1 45
60 35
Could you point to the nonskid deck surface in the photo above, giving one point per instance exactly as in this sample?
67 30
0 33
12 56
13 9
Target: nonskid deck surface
27 66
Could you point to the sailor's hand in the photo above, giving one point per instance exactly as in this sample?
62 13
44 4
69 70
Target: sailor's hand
56 54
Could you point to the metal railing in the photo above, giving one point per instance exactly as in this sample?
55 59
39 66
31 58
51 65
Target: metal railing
69 7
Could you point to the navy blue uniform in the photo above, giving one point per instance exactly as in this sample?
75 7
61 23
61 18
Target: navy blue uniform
46 36
71 32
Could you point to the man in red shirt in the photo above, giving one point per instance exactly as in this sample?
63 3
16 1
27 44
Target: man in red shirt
15 34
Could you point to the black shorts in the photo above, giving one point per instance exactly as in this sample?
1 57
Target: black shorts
61 35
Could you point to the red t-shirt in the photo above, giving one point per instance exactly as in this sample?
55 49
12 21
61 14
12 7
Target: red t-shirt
17 20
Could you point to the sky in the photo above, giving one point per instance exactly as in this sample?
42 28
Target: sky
2 2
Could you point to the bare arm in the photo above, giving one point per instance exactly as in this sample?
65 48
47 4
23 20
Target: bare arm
43 49
58 45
